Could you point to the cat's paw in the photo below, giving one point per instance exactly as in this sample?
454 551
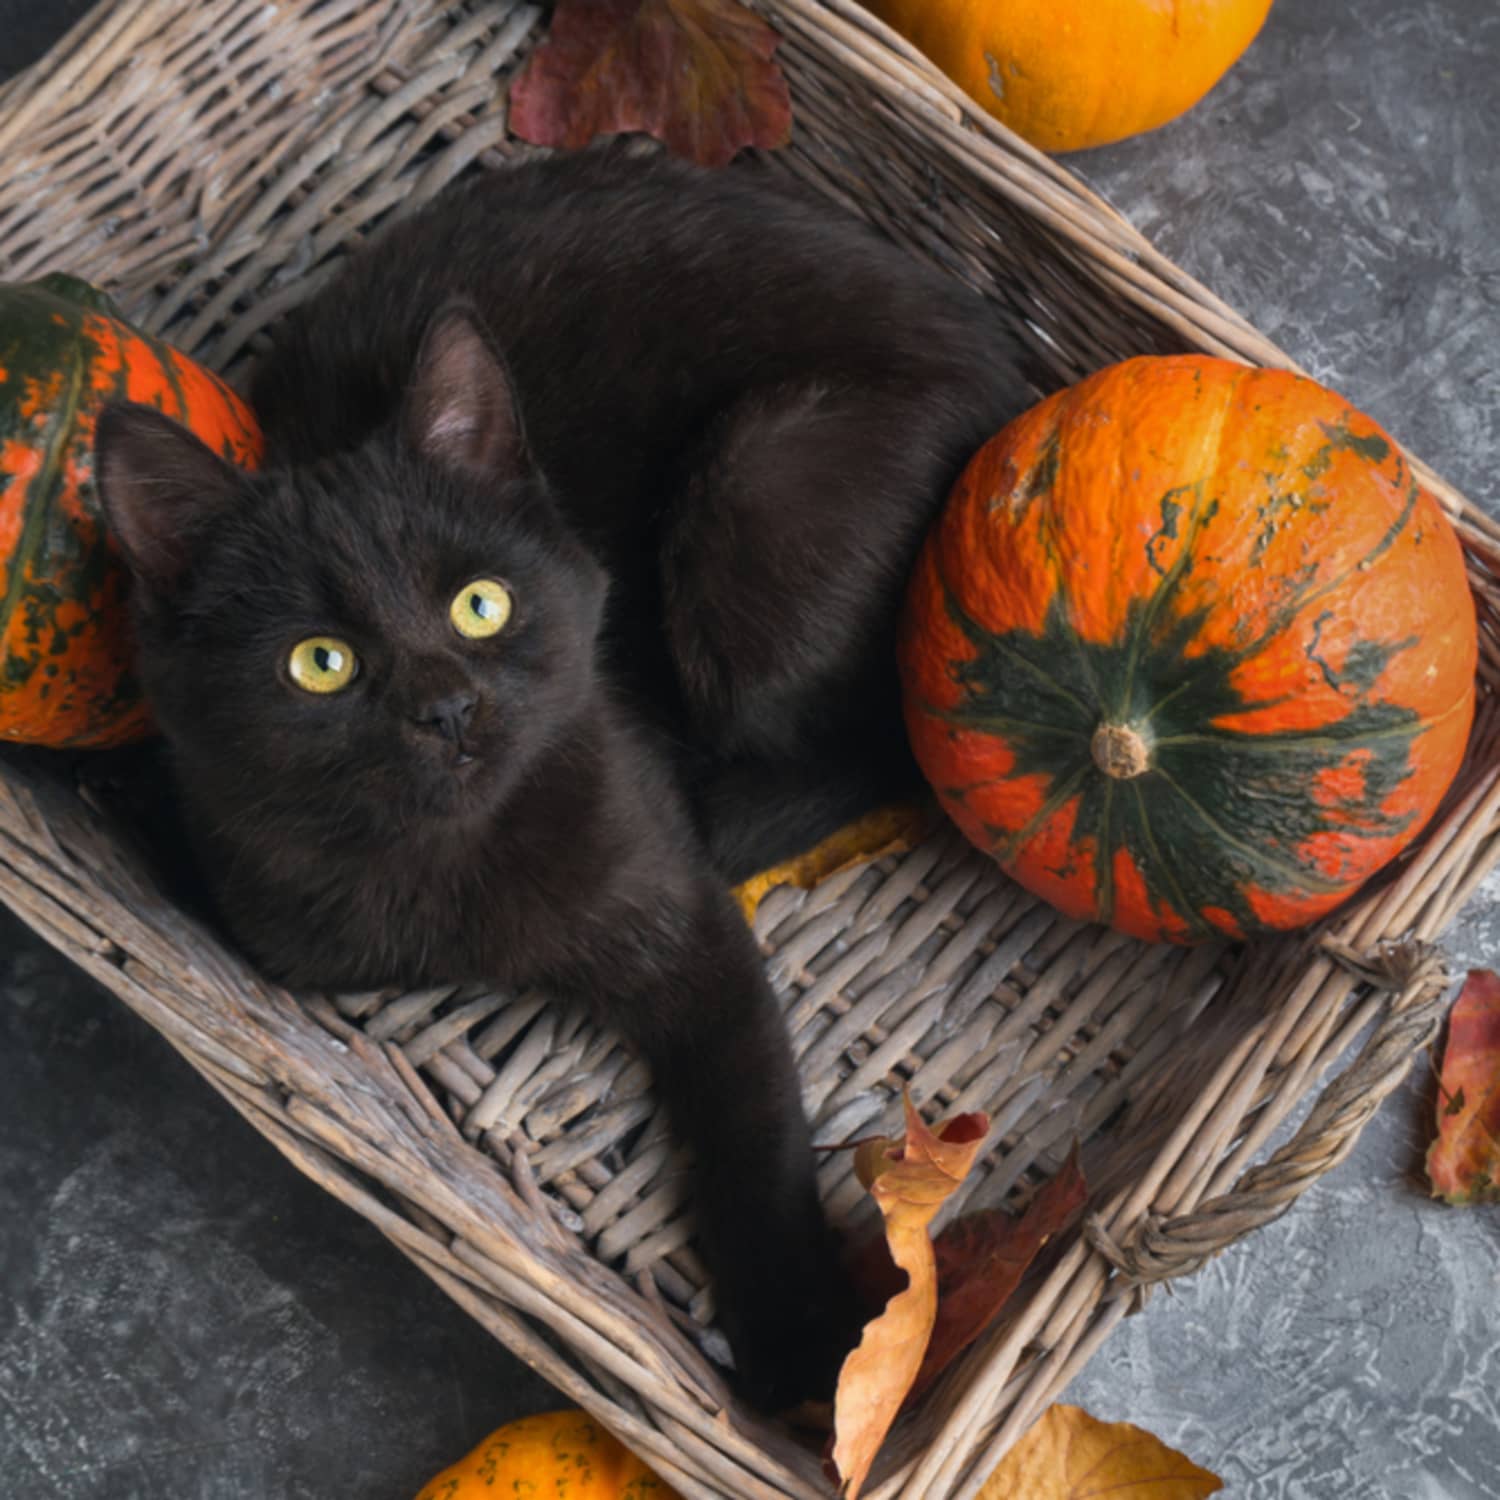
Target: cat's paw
792 1339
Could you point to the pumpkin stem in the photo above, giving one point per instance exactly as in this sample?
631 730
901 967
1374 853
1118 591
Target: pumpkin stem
1120 751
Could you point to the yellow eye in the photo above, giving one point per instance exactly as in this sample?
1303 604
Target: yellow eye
322 664
480 609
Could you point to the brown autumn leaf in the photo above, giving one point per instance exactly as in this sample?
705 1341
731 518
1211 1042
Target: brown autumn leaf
886 830
1069 1455
1463 1163
696 74
981 1259
910 1180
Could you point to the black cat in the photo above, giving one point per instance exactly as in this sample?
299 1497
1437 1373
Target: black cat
566 597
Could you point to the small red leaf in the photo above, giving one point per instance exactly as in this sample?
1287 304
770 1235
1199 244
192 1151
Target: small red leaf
1463 1163
696 74
981 1259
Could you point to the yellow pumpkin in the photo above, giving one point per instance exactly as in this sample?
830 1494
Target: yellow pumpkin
560 1455
1066 74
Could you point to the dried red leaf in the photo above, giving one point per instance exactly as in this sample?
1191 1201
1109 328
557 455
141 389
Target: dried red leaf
981 1259
696 74
1463 1163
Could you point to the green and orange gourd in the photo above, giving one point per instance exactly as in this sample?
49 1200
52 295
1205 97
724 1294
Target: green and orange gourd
1190 650
65 648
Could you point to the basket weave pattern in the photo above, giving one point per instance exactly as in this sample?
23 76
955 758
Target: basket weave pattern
207 162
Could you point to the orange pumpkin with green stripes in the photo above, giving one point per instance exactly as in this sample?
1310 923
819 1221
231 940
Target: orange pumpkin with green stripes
65 652
1190 651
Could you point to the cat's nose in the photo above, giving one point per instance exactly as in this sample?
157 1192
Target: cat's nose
448 716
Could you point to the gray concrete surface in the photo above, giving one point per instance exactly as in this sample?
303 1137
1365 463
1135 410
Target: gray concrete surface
182 1315
1342 188
183 1318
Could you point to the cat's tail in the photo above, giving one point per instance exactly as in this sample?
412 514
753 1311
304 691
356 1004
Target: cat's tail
755 813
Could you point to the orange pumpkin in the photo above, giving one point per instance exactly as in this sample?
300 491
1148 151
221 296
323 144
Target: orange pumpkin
1066 74
65 651
560 1455
1189 650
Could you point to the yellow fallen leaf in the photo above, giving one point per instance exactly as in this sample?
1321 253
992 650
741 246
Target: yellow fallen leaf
886 830
910 1180
1069 1455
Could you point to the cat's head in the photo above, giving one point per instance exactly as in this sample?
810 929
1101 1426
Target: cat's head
383 642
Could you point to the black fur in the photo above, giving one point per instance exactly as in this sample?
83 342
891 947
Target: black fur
698 427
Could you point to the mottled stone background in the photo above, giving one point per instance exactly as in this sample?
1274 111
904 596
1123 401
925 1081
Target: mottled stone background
183 1317
1342 189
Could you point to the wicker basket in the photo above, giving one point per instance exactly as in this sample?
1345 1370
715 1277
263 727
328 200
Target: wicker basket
207 160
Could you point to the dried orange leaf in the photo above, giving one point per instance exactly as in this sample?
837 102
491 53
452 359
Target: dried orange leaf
1068 1455
981 1259
696 74
886 830
1463 1163
910 1180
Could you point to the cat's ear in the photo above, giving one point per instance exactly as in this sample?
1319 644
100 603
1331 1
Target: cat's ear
160 488
460 409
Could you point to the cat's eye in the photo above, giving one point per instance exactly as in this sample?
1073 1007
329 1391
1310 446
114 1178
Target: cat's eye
322 664
480 609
